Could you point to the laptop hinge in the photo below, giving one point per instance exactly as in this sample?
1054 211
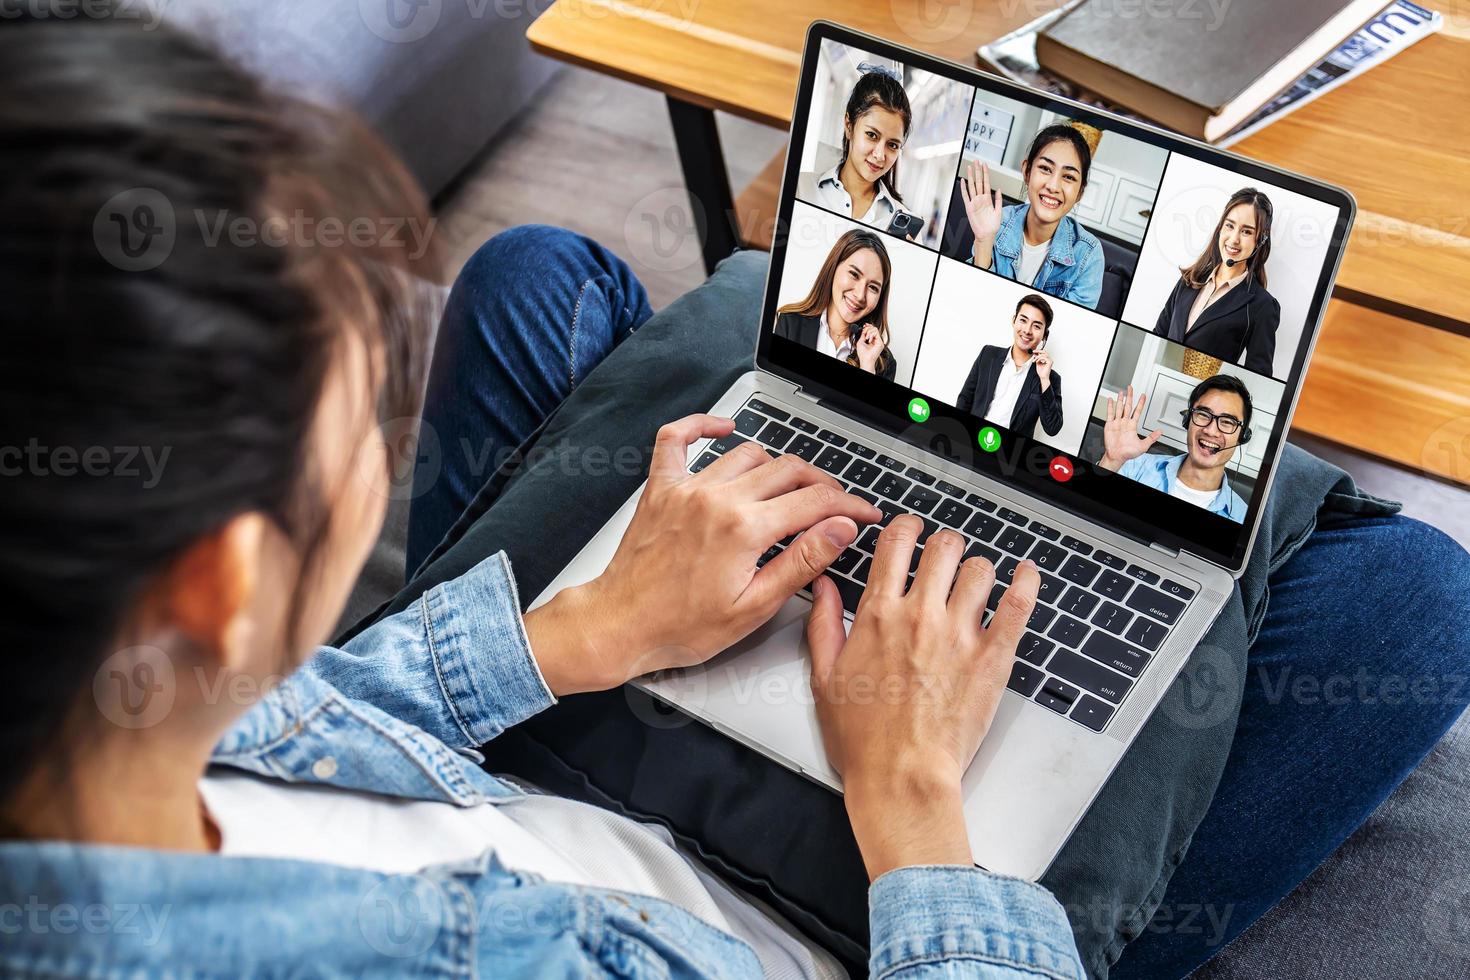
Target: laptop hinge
1171 552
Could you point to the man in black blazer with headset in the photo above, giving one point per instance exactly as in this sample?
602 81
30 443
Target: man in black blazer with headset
1016 386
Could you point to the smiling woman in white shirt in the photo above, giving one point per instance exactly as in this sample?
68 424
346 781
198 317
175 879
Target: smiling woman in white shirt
864 183
845 315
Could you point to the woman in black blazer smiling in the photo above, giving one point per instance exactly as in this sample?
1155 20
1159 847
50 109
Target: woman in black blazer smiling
1220 305
846 313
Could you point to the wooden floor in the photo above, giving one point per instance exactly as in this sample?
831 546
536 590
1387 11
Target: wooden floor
597 155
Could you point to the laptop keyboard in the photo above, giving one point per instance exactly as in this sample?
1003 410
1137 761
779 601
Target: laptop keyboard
1099 617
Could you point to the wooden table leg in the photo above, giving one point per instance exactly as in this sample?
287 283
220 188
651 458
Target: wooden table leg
705 176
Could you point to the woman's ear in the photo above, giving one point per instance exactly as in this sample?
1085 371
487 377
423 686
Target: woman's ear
208 592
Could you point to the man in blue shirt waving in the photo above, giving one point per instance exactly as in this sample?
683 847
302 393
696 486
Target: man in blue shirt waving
1216 424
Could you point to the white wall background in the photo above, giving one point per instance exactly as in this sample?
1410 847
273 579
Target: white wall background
1190 200
973 308
814 232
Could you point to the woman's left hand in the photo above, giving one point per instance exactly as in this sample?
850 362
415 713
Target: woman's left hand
869 346
683 584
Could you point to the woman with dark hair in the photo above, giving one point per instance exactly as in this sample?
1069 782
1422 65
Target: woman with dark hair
1038 243
863 185
1220 305
845 314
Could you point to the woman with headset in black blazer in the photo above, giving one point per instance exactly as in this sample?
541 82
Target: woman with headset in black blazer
845 315
1220 305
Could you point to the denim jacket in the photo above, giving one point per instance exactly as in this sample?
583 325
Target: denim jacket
399 711
1073 267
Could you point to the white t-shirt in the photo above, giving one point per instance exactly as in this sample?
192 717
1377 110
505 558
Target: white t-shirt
1031 258
1007 391
559 839
827 190
1200 498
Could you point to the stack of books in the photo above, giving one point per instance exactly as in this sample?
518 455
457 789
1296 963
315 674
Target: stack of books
1215 71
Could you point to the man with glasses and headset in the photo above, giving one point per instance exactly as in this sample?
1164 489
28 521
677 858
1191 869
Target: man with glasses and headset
1217 422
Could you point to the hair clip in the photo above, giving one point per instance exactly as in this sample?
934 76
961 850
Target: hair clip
867 68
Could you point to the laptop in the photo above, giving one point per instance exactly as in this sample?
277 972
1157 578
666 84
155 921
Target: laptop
1135 477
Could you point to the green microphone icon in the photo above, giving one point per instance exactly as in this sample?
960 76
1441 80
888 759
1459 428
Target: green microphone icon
989 439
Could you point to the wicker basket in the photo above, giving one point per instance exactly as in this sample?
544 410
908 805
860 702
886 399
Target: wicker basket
1201 366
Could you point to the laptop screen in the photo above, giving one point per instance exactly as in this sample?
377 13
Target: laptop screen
1110 317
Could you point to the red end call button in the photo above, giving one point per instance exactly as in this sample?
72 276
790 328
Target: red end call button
1060 469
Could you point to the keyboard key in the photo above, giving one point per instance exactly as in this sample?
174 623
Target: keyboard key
997 590
949 488
861 473
1041 616
979 501
1164 608
723 446
1147 633
779 414
834 461
1112 617
1048 556
1113 585
1025 679
1044 531
1051 588
776 435
1066 630
705 458
884 460
952 512
850 591
1092 713
861 573
1006 514
981 551
868 541
772 453
1089 675
919 476
860 451
1115 653
804 447
871 498
1080 571
891 486
1049 700
769 554
1015 540
1005 570
748 423
831 438
890 511
1034 649
1061 690
928 529
1143 574
847 561
1177 589
984 527
798 422
920 500
1108 559
1078 603
1076 544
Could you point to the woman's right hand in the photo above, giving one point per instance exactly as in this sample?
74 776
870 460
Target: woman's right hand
1121 441
983 209
904 699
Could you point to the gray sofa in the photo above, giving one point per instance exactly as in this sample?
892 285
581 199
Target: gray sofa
438 82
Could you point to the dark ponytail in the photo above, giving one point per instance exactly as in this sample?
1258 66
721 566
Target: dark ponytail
160 375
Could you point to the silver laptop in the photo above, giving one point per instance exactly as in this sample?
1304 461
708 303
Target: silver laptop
916 367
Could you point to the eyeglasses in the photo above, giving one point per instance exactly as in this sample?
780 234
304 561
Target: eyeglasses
1202 417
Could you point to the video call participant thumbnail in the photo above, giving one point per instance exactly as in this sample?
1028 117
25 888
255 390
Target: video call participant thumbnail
845 315
1220 305
1016 386
1039 243
1217 423
863 185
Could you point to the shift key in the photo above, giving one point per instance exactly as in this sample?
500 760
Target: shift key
1089 676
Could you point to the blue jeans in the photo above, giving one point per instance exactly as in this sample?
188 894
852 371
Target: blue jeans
1357 672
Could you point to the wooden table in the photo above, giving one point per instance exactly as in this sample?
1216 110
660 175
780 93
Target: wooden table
1391 375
